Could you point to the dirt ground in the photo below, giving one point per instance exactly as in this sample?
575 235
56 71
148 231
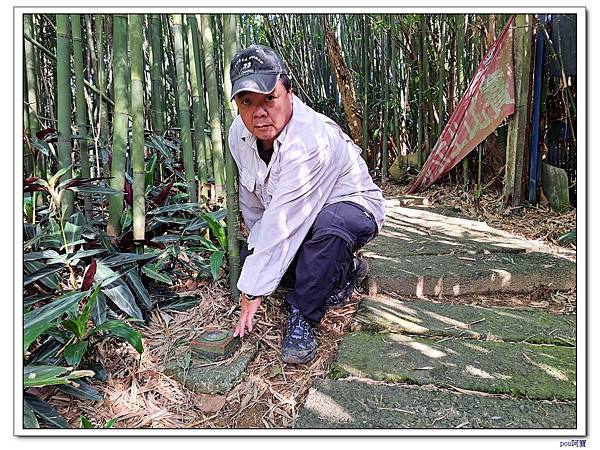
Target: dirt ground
139 395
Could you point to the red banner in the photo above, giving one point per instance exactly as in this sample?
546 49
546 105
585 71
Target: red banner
488 100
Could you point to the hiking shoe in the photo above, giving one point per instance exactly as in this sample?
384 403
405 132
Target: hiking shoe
299 342
340 297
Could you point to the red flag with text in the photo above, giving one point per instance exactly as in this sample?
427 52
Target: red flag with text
488 100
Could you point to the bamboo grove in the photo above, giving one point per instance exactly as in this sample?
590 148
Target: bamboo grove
110 87
129 186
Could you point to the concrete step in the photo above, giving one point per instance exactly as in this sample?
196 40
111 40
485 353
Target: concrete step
537 371
453 275
440 319
359 404
410 231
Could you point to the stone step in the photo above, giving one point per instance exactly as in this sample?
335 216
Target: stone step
440 319
410 231
356 404
537 371
453 275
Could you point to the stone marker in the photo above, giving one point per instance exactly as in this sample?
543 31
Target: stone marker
211 378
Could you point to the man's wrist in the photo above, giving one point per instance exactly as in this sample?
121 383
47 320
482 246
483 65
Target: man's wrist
251 297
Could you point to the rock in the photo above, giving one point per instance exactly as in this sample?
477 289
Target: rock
220 378
555 184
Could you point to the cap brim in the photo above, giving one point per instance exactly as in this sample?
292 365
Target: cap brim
261 83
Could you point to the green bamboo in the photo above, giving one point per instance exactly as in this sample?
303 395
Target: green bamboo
63 95
121 124
395 99
198 103
203 88
420 120
460 75
426 105
365 122
233 226
385 63
184 109
172 75
81 109
158 114
213 106
441 75
31 113
136 41
103 119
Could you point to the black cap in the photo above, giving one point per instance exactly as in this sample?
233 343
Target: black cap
255 69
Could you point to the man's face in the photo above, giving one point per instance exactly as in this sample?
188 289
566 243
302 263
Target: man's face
265 115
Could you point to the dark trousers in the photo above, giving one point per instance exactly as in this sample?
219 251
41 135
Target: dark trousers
324 261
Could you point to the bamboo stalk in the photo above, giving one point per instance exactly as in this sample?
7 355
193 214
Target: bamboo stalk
213 107
63 89
158 114
198 103
233 226
136 39
80 109
184 109
121 124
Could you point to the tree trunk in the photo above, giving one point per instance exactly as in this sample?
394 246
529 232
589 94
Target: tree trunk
63 91
516 142
365 109
121 124
345 85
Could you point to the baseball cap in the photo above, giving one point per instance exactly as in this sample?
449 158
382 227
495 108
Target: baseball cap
255 69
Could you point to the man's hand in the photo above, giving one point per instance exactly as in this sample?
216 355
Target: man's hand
249 308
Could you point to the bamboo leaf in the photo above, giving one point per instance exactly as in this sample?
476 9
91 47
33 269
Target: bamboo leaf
74 327
116 289
99 309
44 375
57 175
140 289
41 273
216 261
29 419
46 412
33 256
85 423
93 189
119 259
179 207
153 273
217 229
84 391
41 319
75 352
120 329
